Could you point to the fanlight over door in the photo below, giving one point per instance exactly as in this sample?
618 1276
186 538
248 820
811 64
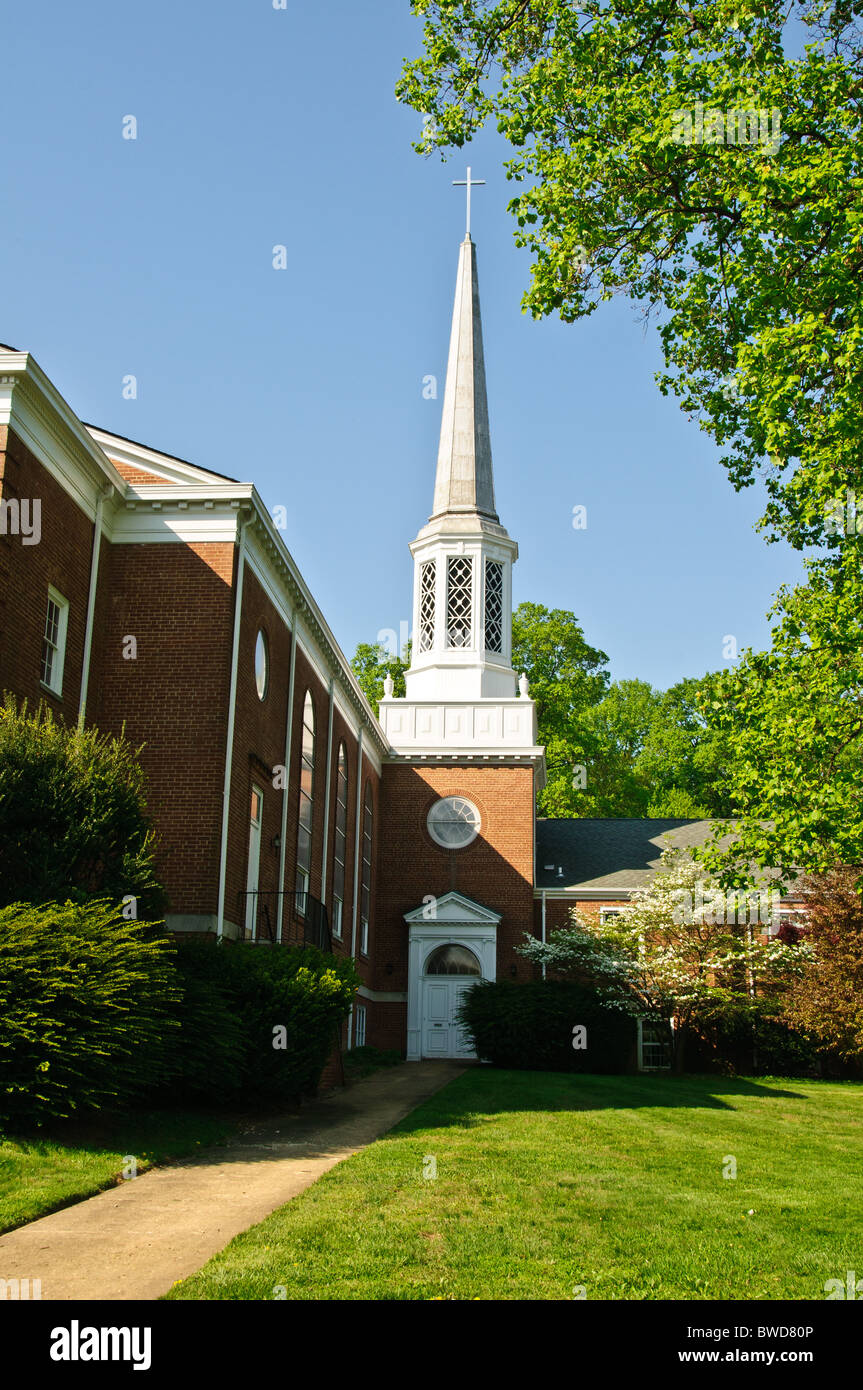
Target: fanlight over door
452 960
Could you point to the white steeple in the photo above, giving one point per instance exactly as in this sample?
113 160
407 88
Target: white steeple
463 557
461 699
464 481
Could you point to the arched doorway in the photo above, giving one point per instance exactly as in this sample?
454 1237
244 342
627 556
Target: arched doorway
449 970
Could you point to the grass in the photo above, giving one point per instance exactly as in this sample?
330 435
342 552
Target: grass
549 1183
77 1159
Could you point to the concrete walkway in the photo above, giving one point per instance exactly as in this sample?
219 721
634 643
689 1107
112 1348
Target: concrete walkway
135 1240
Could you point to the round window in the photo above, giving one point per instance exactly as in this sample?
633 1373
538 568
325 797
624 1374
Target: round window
453 822
262 666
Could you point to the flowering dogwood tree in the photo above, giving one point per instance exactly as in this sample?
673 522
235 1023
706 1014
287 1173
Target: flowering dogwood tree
678 946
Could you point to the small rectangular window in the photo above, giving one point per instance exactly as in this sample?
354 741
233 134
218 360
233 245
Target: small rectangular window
655 1046
54 642
360 1040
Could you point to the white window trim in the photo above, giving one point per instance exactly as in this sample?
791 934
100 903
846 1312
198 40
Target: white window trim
641 1067
608 912
62 604
261 644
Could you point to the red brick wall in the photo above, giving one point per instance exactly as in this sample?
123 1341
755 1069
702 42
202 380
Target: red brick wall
557 911
176 600
62 558
496 870
259 748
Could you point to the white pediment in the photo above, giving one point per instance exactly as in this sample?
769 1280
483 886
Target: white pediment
452 908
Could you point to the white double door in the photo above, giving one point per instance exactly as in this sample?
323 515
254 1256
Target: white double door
441 1034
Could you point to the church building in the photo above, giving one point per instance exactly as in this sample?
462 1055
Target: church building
143 593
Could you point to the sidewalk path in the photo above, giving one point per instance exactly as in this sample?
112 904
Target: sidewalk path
135 1240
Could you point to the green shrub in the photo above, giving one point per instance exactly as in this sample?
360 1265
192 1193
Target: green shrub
73 821
87 1004
531 1026
239 998
749 1037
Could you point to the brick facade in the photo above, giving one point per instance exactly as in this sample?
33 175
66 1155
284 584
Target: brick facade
62 559
496 870
175 600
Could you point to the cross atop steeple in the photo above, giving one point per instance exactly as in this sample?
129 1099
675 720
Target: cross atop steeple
467 183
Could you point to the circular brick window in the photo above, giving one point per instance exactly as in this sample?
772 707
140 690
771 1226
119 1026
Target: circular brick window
453 822
262 666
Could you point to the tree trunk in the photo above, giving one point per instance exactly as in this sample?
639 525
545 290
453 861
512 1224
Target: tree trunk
679 1049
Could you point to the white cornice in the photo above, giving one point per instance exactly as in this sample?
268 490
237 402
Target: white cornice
153 461
450 908
33 408
316 626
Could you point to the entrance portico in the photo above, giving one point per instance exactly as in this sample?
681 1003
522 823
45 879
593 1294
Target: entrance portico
438 977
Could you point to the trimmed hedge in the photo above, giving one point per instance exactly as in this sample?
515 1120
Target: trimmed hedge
88 1003
530 1026
238 998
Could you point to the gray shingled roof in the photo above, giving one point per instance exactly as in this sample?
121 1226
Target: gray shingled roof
617 855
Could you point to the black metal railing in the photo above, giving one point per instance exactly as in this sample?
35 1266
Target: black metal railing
305 920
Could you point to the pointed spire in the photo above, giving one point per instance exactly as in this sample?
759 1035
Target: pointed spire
464 481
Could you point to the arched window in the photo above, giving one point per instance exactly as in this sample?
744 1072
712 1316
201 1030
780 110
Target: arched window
366 895
307 777
341 840
452 960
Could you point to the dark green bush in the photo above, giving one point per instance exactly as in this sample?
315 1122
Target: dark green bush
73 820
530 1026
748 1037
87 1009
238 998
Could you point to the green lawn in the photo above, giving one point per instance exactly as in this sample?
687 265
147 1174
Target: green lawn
546 1182
79 1158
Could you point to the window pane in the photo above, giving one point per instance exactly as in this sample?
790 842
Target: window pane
459 600
452 960
427 605
493 606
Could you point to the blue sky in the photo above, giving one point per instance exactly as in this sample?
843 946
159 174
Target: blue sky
260 127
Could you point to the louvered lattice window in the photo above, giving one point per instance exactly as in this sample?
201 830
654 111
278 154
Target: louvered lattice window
458 600
493 606
427 605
